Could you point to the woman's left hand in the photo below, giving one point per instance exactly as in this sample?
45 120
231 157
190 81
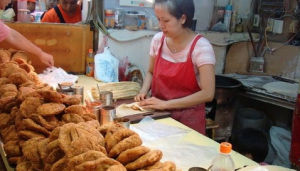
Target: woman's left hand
154 103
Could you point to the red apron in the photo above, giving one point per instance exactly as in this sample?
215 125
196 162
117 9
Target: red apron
175 80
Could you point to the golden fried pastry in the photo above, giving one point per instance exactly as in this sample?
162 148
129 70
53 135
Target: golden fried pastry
9 68
158 166
29 106
50 96
23 166
109 126
127 143
27 67
132 154
113 138
4 80
103 163
54 134
12 148
74 139
8 88
59 165
33 77
30 150
9 133
12 50
148 159
23 92
49 109
86 156
52 145
78 109
52 120
42 150
72 118
9 104
19 60
71 100
18 78
26 134
42 121
6 103
54 155
31 125
4 56
4 120
20 54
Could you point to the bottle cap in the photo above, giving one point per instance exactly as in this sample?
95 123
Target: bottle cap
90 50
225 147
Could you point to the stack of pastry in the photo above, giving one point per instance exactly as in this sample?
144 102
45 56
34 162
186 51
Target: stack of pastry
44 130
125 146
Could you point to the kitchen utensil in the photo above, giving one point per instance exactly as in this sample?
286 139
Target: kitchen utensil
78 90
106 97
108 114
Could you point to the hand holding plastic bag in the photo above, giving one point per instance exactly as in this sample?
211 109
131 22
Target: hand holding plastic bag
106 67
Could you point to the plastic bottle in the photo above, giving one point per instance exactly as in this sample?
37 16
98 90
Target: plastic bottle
223 162
227 16
90 65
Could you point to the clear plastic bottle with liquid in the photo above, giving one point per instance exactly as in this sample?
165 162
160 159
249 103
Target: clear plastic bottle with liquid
90 65
223 162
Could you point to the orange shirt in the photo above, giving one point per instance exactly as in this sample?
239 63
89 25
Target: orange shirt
51 16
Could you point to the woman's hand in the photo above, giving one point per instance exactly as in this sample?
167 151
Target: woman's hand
154 103
140 97
47 59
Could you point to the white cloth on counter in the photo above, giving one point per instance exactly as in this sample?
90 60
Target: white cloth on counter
54 76
169 140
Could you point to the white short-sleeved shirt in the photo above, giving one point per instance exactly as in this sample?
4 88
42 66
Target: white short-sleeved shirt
203 52
4 31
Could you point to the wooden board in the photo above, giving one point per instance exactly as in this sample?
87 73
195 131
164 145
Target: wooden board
135 116
155 115
68 43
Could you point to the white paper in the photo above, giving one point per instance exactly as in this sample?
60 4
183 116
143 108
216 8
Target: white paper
169 140
54 76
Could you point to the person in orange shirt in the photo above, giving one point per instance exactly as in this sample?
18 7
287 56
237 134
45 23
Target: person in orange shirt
67 11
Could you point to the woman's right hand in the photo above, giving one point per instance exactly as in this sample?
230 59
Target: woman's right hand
140 97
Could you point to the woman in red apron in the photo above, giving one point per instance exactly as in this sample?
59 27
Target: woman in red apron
181 71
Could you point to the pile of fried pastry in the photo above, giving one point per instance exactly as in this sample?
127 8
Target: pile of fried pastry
42 129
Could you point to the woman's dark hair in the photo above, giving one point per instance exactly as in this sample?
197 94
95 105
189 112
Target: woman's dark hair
179 7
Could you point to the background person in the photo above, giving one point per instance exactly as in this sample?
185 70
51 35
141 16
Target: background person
13 37
67 11
181 69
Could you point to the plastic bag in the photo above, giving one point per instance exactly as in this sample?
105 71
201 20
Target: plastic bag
123 67
106 67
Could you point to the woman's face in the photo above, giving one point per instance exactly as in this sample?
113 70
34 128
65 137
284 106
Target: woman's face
4 3
168 24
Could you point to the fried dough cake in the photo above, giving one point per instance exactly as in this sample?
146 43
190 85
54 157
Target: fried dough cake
74 139
48 109
147 159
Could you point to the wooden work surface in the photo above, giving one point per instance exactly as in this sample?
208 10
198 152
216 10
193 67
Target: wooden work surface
68 43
